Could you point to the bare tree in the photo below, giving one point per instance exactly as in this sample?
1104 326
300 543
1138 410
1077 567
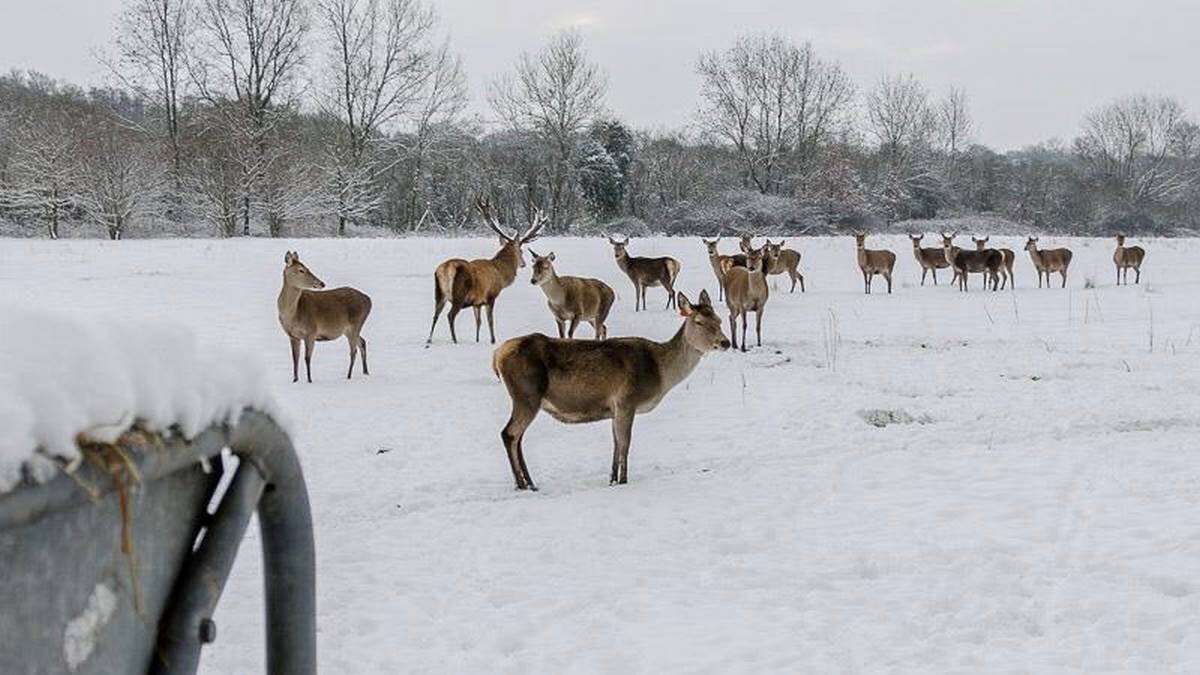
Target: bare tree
899 116
775 102
118 178
954 122
252 56
45 168
1132 150
384 69
555 93
151 40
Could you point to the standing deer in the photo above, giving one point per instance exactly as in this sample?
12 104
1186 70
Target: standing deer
309 314
572 299
949 250
722 263
592 380
871 262
785 260
1007 279
1126 257
646 273
988 262
1049 260
746 291
930 259
477 283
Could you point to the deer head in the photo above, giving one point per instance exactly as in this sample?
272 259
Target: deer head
297 275
543 268
702 328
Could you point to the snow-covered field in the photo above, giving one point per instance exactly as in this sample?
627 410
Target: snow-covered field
1033 508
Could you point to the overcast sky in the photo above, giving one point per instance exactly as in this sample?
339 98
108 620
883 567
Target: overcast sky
1032 68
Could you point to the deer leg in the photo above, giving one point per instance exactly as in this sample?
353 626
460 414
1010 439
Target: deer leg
867 282
523 413
1064 277
934 277
1137 279
478 321
888 276
924 271
758 325
353 340
571 328
670 294
437 312
491 306
295 359
733 328
308 350
801 277
744 312
450 316
622 431
362 346
561 332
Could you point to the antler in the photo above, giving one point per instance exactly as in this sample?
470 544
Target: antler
485 210
539 220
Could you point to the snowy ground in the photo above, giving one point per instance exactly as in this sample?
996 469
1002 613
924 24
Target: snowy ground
1036 513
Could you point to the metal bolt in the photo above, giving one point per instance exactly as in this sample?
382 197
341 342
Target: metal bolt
208 631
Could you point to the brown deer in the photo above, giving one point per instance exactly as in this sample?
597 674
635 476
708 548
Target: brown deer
746 291
930 259
579 381
988 262
477 283
1007 279
1126 257
871 262
722 263
646 273
1049 260
572 299
949 253
309 314
785 260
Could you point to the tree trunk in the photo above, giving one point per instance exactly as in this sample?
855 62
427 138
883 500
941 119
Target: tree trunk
341 228
246 216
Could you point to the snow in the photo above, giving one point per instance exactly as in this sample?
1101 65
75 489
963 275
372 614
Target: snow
66 374
1028 503
79 637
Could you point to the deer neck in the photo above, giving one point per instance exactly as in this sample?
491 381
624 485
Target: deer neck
506 261
677 359
554 290
288 301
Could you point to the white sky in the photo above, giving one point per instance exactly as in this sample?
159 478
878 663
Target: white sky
1032 68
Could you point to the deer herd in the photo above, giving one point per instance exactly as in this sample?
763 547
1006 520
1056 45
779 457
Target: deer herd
578 381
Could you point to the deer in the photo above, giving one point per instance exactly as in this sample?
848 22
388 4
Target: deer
1049 260
309 314
646 272
1125 257
873 263
722 263
949 250
746 291
572 299
785 260
477 283
988 261
580 381
930 259
1007 278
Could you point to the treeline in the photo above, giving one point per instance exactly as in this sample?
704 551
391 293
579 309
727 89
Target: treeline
287 117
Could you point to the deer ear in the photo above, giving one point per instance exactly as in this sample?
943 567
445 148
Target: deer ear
704 299
685 305
550 257
287 258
